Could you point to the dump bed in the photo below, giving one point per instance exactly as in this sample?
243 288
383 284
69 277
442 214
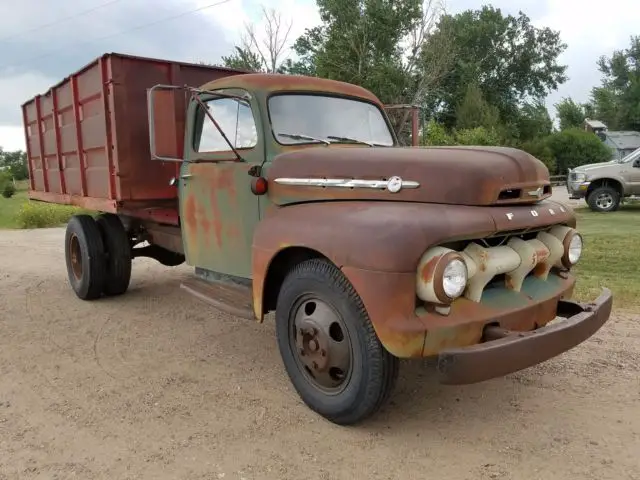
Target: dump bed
88 136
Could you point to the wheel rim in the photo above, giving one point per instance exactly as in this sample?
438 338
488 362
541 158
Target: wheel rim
321 345
75 256
604 201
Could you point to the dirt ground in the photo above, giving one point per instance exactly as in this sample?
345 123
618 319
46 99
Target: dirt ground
157 385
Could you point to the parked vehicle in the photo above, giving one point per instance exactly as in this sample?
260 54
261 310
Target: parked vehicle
291 194
605 185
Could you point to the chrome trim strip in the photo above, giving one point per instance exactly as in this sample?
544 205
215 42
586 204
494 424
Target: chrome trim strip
343 182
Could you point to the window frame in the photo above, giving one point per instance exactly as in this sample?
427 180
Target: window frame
220 155
310 93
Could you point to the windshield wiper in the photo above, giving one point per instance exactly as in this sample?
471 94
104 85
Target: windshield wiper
348 139
297 136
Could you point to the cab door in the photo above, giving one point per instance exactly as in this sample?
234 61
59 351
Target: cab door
218 211
631 173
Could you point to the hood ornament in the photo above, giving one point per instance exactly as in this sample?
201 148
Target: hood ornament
393 184
537 192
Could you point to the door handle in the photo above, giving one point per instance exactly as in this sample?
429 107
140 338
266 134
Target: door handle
186 176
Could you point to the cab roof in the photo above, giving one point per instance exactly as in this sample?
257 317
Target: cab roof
275 82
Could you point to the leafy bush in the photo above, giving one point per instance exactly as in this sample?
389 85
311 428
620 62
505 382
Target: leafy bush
574 147
539 148
478 136
436 135
42 215
8 189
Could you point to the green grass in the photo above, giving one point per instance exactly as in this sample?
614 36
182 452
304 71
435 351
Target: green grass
20 212
611 256
10 207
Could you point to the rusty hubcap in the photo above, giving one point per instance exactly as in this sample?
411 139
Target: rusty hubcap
75 255
321 341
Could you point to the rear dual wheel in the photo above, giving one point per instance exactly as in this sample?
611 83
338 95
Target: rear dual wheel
98 256
330 350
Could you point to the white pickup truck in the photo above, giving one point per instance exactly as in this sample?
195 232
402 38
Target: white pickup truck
605 185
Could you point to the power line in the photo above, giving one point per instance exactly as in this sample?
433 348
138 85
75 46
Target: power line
60 20
139 27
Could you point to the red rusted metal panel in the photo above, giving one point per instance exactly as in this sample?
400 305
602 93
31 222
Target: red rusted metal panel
42 162
79 150
27 142
88 135
90 203
56 127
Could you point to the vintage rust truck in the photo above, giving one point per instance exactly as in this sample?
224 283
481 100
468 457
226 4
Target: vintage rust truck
292 194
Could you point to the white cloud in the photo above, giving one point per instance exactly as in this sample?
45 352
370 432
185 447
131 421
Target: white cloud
234 15
589 30
32 62
12 138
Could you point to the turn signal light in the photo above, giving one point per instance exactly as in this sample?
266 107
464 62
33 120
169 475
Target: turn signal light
259 185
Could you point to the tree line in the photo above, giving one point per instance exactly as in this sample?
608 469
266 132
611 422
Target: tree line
479 76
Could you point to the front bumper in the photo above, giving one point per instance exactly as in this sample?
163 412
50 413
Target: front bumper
577 189
516 350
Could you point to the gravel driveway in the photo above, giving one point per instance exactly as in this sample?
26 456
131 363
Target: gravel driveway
156 385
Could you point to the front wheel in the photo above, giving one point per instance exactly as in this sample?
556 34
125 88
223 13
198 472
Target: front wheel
329 347
604 199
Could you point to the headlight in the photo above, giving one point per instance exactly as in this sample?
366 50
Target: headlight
571 245
454 278
581 177
574 249
442 276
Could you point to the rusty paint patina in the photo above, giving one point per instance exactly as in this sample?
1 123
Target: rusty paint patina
219 217
237 233
478 185
385 277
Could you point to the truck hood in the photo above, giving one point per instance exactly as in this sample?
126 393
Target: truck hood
594 166
447 175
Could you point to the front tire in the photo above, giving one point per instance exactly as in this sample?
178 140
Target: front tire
329 347
85 257
604 199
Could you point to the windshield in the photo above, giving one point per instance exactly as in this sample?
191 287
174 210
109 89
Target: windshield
631 157
305 118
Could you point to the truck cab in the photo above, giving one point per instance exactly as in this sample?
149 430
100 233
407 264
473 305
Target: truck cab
292 195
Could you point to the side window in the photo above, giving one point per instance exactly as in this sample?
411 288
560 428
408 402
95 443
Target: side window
236 121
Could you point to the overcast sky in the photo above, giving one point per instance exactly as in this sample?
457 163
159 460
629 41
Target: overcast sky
35 54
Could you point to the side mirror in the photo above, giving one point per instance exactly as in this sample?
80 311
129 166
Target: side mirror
636 163
166 109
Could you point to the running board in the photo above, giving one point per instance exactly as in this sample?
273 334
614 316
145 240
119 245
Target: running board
231 298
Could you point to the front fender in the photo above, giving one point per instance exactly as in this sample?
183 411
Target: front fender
383 237
608 177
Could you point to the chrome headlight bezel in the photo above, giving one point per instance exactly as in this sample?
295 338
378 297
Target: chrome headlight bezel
434 276
573 246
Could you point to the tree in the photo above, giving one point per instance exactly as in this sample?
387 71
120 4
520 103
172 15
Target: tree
533 121
474 111
379 45
243 59
570 114
15 164
509 59
617 101
574 147
261 56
